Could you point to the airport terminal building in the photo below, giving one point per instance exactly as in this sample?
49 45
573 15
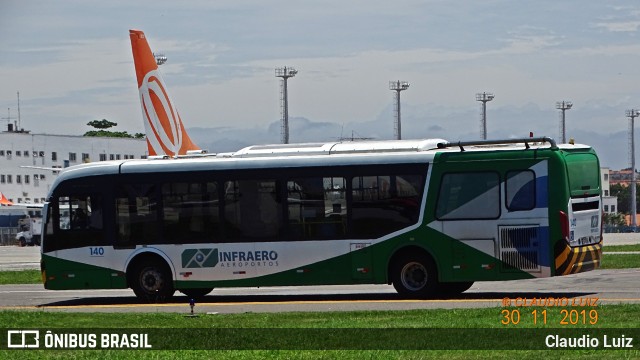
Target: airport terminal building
28 164
28 161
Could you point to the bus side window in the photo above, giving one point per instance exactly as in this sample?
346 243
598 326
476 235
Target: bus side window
80 212
317 208
190 212
469 196
252 210
520 190
136 214
383 204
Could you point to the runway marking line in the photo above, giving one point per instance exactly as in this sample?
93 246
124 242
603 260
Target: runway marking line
279 303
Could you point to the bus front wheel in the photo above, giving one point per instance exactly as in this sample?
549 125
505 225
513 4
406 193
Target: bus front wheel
151 281
415 276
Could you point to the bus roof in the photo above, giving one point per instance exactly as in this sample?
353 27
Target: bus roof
312 154
350 147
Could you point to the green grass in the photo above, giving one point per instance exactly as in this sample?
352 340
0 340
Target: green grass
617 248
468 322
20 277
620 261
610 316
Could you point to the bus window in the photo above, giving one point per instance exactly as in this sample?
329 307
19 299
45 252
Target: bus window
74 220
252 210
469 195
190 212
384 204
584 174
520 190
136 214
79 212
317 208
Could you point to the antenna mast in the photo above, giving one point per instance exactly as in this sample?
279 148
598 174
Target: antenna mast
19 125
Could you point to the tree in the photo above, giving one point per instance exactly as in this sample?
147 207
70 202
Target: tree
104 124
616 219
623 193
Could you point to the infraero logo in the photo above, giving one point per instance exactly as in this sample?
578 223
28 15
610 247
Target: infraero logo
208 258
199 258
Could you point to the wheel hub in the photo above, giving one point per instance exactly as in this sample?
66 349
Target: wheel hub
414 276
151 280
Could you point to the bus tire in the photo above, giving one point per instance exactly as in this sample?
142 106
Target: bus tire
455 288
196 293
151 281
414 275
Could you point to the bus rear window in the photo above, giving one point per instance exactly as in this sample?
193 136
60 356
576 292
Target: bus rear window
584 174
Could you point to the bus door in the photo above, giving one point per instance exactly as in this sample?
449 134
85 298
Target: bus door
75 238
494 214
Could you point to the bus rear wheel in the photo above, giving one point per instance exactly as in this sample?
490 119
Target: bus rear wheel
415 276
196 293
151 281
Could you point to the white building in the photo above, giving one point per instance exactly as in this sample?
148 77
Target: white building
26 159
609 203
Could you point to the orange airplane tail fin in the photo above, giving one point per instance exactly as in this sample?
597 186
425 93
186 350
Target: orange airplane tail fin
4 200
165 131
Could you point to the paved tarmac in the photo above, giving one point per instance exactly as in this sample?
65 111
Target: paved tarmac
599 287
621 239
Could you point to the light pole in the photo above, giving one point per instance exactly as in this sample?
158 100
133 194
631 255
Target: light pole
563 106
397 86
285 73
160 58
484 98
632 114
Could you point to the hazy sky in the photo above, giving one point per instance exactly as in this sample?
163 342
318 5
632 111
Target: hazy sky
72 63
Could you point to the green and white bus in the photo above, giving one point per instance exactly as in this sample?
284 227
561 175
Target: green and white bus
427 216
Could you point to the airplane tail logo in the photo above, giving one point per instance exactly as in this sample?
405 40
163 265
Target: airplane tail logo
165 131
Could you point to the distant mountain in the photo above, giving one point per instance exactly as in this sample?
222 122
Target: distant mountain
612 148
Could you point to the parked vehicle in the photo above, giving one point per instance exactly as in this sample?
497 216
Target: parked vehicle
31 231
